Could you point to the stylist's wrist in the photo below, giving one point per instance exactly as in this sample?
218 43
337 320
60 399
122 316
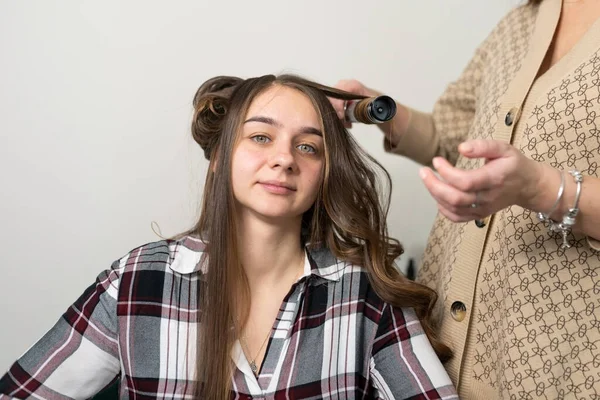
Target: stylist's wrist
543 187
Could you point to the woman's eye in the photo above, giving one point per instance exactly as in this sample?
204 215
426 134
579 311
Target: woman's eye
262 139
305 148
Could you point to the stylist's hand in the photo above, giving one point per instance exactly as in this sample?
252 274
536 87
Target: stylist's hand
351 86
506 178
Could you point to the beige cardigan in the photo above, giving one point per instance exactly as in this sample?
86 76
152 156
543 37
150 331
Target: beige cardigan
531 329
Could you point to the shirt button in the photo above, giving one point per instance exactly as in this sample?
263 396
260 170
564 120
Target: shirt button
510 117
458 310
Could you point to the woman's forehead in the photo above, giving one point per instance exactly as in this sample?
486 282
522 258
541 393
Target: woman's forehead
283 101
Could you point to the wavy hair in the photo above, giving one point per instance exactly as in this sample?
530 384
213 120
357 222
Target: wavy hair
348 217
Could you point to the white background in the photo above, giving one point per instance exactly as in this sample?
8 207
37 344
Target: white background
95 106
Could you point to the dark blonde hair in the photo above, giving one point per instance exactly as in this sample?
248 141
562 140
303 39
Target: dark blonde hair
348 217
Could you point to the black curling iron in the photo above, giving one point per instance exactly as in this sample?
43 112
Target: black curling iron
372 110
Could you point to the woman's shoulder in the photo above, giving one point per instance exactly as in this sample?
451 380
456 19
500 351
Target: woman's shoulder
523 11
519 18
325 265
514 27
347 281
353 279
181 255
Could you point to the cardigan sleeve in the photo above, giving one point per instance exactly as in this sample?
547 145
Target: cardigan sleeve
439 133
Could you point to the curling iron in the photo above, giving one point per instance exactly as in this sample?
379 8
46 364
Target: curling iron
372 110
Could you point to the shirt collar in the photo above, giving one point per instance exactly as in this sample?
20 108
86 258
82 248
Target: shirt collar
186 257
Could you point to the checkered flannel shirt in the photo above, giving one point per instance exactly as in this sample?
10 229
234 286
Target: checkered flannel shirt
333 337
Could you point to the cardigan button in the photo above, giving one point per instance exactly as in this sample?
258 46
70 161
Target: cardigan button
510 117
481 223
458 310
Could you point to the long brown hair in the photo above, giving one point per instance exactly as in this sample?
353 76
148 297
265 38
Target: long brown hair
348 217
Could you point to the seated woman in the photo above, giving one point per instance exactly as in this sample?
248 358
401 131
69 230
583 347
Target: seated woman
285 288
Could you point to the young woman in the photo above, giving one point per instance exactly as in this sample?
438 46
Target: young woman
285 288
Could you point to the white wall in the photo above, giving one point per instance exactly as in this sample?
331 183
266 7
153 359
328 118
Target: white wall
95 104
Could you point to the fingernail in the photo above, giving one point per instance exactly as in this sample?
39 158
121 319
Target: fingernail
436 163
422 173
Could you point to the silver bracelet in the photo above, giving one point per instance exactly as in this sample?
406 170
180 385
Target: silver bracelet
545 217
570 217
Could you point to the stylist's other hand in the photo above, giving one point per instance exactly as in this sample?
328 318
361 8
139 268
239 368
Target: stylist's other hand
351 86
507 178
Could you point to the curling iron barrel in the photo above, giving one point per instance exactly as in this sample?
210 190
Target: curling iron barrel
372 110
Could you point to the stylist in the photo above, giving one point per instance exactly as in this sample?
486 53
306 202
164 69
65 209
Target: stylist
514 251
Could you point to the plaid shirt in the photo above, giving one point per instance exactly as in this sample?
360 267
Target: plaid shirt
333 338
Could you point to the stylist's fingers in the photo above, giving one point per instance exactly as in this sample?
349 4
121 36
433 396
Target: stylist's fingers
447 195
338 105
351 86
454 216
465 180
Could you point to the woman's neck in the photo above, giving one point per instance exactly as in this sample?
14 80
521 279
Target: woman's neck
269 252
